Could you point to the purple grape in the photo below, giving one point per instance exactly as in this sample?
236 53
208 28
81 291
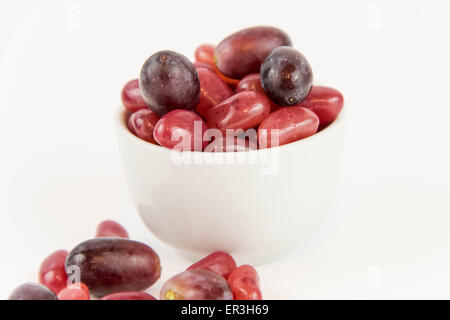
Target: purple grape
169 81
32 291
108 265
196 284
286 76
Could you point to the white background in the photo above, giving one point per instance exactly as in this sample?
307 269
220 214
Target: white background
62 66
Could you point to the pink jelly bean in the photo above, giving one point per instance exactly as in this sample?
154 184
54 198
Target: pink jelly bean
291 124
219 262
52 272
213 90
74 291
131 96
109 228
252 82
326 102
181 130
244 110
142 124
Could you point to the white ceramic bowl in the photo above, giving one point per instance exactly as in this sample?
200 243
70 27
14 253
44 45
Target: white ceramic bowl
256 210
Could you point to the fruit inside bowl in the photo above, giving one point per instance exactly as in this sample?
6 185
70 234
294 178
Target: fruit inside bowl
251 91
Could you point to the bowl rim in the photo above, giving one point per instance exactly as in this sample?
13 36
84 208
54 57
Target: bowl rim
121 119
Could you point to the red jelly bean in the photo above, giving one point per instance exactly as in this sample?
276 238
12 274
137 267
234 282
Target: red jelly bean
244 110
236 145
75 291
181 130
198 65
52 273
213 90
131 96
292 124
252 82
205 54
326 102
129 296
142 124
219 262
244 282
109 228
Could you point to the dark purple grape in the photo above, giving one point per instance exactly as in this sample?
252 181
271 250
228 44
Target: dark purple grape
243 52
286 76
32 291
169 81
109 265
196 284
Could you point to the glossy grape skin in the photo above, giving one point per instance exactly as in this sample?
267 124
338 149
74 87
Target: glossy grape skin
244 282
205 53
131 96
252 82
244 110
75 291
52 272
213 90
169 81
293 123
326 102
243 52
110 228
32 291
136 295
109 265
219 262
286 76
142 123
196 285
181 125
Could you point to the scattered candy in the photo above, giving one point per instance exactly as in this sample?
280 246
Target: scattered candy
75 291
114 268
219 262
196 285
52 273
129 296
109 228
244 282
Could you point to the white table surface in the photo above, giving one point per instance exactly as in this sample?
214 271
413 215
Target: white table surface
62 66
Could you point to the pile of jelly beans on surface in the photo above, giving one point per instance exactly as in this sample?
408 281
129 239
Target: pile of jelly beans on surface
252 80
112 267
